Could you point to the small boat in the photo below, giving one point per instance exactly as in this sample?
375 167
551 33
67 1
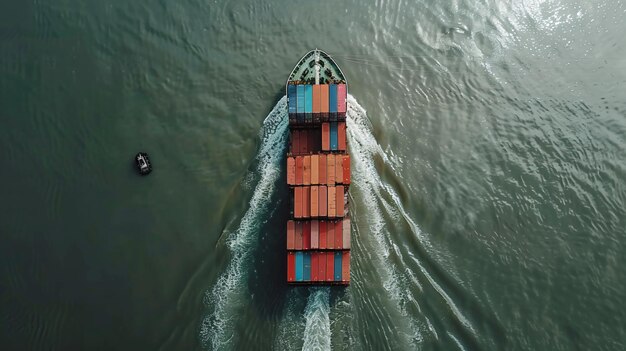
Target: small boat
318 173
143 163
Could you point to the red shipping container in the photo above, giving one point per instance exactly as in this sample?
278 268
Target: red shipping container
291 235
306 202
291 171
315 266
341 136
311 138
298 233
342 96
345 266
330 235
332 202
306 179
297 202
291 266
323 225
339 235
315 233
339 203
299 169
325 136
304 142
323 203
338 169
321 262
315 170
306 235
346 169
322 166
330 266
314 201
330 169
346 233
295 142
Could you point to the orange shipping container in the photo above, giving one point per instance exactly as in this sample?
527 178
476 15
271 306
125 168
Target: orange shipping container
339 203
317 102
315 175
298 236
299 165
315 234
314 201
291 235
332 202
341 136
323 202
291 171
346 233
306 202
345 266
330 235
339 235
297 202
346 169
322 171
306 179
325 136
338 169
330 169
324 98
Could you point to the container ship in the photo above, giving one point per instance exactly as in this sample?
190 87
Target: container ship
318 173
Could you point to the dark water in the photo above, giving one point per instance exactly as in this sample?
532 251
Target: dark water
489 196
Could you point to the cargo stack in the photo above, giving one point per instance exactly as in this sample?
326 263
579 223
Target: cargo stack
318 176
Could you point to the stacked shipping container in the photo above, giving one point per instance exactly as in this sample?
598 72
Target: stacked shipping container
318 174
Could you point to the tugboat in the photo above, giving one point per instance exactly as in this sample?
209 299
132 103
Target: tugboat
318 173
143 163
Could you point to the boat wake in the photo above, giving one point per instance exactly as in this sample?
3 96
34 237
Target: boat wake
317 315
228 296
380 202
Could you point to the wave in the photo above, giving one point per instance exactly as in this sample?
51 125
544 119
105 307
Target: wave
228 294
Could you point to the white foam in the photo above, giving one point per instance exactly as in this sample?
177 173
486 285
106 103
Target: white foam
229 293
317 315
364 148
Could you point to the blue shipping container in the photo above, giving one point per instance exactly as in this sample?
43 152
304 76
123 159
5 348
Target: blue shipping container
300 106
333 135
307 266
293 98
332 104
299 266
308 99
338 266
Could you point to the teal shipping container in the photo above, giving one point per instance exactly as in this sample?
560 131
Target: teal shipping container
307 267
308 103
338 266
299 266
332 101
293 98
333 135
